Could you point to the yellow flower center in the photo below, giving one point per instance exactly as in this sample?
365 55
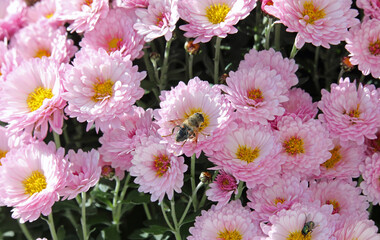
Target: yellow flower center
159 20
206 118
312 12
35 183
256 94
299 236
37 97
247 154
88 2
2 154
335 204
42 53
293 146
49 15
161 164
374 47
102 90
216 13
279 200
230 235
114 44
335 158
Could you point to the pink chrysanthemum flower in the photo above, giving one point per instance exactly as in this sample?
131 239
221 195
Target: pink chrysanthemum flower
159 19
11 17
212 17
363 43
371 8
358 229
343 195
130 3
256 93
116 33
370 171
305 145
192 100
44 10
119 143
9 59
285 67
249 153
222 188
301 104
232 221
32 98
39 40
4 147
344 162
101 88
285 191
350 113
289 224
84 171
83 14
373 145
319 22
157 171
31 178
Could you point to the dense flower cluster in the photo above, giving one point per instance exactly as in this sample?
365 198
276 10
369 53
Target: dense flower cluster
295 159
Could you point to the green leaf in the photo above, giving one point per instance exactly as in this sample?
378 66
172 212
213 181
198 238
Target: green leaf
61 233
135 197
111 233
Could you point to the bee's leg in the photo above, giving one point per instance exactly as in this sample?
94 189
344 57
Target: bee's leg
172 131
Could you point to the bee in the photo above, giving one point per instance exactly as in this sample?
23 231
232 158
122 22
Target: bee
308 227
189 128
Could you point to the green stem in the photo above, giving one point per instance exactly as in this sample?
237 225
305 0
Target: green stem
277 36
191 60
189 203
83 219
165 66
147 212
174 215
57 140
192 180
294 51
120 199
151 74
240 190
316 75
361 78
216 60
268 29
115 201
52 227
165 216
25 231
177 236
340 74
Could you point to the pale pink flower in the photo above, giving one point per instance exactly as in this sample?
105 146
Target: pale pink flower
370 171
84 172
116 33
157 171
371 8
373 145
4 147
101 88
288 224
130 3
285 67
301 104
249 152
212 17
31 178
350 112
45 11
39 40
363 44
344 162
362 229
343 196
9 59
222 188
232 221
82 14
183 101
256 93
305 145
285 191
159 19
32 98
319 22
119 143
11 17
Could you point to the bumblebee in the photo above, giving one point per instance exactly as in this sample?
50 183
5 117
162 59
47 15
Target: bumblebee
190 128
